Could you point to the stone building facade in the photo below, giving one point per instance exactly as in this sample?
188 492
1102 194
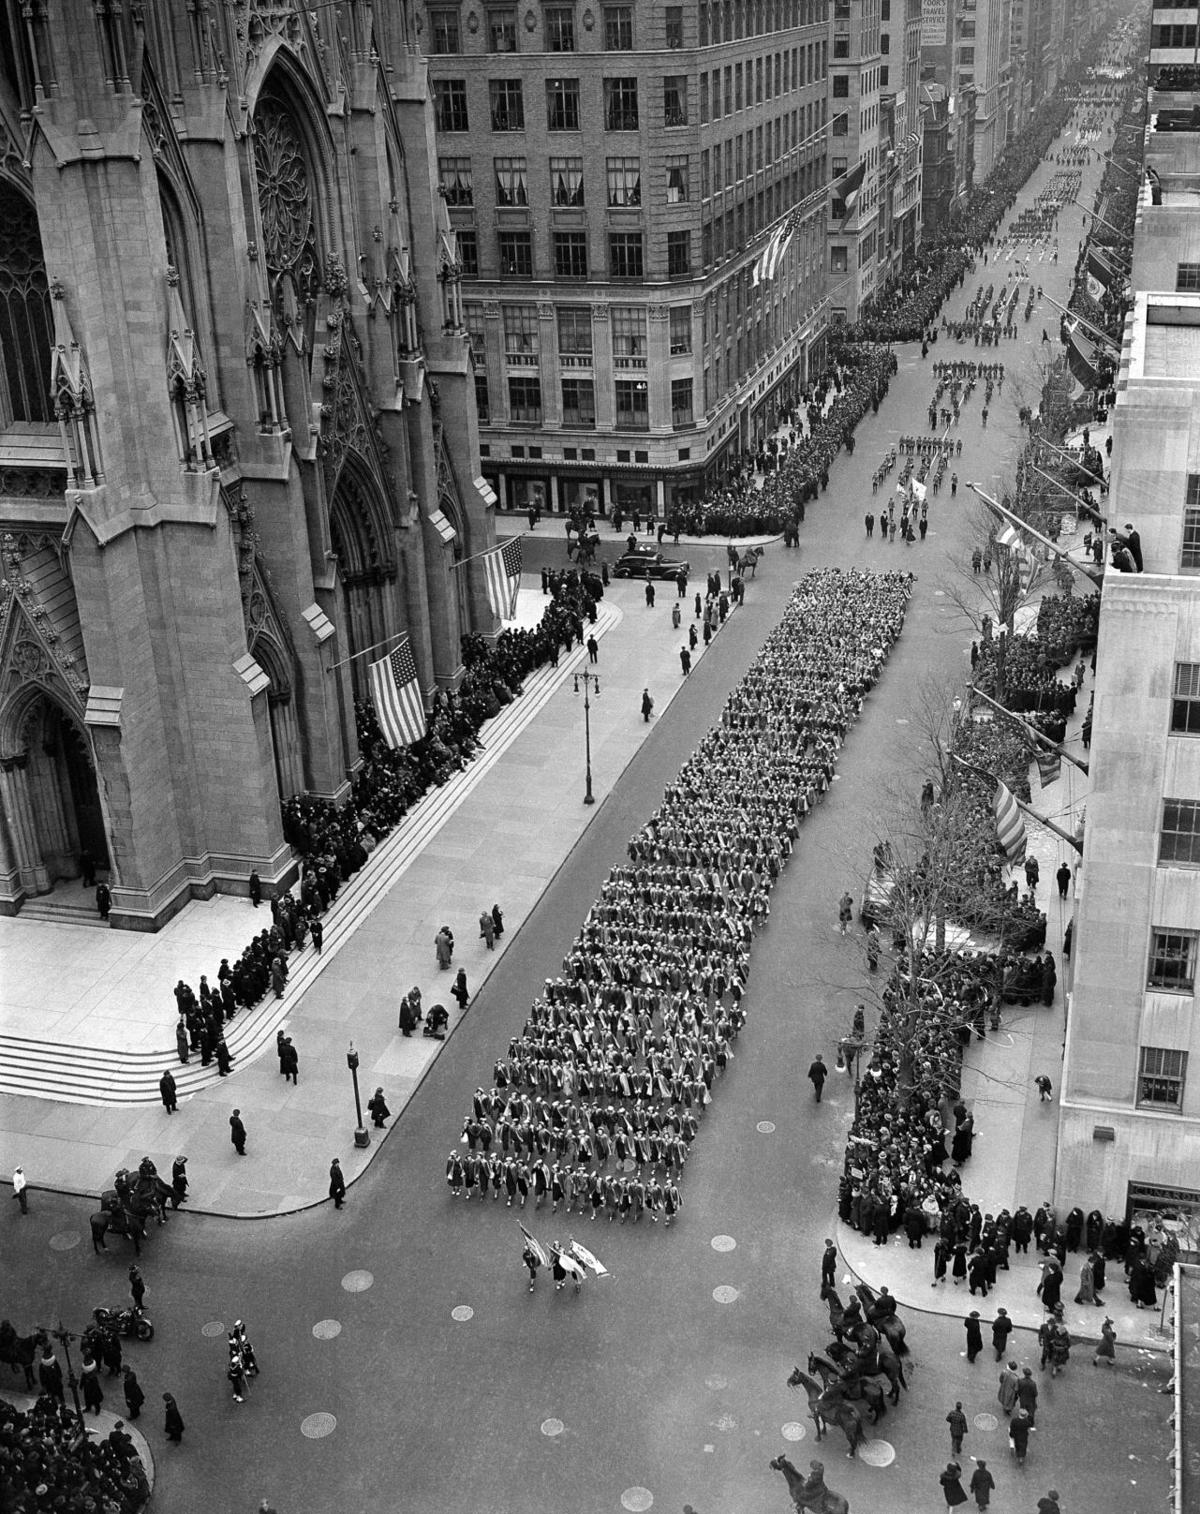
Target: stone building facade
238 442
614 173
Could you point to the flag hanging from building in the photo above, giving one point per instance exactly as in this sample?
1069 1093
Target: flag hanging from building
1010 825
1049 767
502 572
772 254
397 695
1103 275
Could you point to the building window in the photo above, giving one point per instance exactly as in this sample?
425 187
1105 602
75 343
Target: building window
1180 840
468 253
618 28
579 404
620 104
450 104
574 331
677 178
483 402
1185 705
675 111
681 403
444 33
1173 961
840 126
570 254
679 254
562 104
26 322
454 175
476 327
841 86
520 335
681 330
841 47
1160 1077
838 259
502 31
1190 555
508 105
624 181
673 16
516 254
1187 278
625 254
525 400
566 181
511 186
633 408
560 29
629 335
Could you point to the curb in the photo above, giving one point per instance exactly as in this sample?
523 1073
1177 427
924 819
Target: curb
100 1424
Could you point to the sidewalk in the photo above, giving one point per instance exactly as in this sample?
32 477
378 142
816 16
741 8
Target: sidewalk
499 833
554 528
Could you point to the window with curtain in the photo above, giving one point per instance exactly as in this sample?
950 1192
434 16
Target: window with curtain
677 178
566 181
624 181
628 331
511 187
454 175
574 330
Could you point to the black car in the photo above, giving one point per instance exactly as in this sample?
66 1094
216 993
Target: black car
644 564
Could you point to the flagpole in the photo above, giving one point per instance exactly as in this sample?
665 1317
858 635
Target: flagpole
1074 316
475 556
1114 250
1070 493
1099 477
1031 729
366 652
1015 520
1020 803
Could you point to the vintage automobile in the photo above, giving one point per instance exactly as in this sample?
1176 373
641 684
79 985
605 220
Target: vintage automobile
645 563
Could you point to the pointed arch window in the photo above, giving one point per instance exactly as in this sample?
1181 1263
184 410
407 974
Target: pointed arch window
26 321
287 213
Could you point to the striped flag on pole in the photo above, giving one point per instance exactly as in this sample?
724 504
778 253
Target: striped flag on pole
1008 537
535 1246
1049 767
502 573
1010 825
397 696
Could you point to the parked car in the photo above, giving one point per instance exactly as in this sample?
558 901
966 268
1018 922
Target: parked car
644 564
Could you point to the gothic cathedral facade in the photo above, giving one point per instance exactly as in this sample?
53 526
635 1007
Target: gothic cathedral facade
238 438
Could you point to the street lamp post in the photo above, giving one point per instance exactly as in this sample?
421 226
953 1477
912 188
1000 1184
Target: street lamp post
590 681
63 1336
362 1136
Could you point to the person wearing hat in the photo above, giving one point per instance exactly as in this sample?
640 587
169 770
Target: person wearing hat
1001 1328
172 1420
952 1488
378 1110
1018 1435
134 1397
179 1181
20 1187
166 1089
974 1335
981 1484
337 1184
1106 1351
237 1132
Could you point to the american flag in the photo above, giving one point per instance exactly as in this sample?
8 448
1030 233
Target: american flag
1010 827
397 696
502 570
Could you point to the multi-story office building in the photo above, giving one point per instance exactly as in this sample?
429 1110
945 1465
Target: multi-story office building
855 111
948 98
902 137
1174 46
982 59
615 173
1130 1117
237 430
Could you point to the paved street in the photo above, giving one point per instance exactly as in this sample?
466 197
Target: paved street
552 1404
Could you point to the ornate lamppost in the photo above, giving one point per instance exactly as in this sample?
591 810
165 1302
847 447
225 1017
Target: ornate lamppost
590 681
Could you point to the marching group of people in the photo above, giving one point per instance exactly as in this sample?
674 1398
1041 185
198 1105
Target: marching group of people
596 1103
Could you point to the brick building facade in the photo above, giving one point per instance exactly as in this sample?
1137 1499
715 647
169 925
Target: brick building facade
238 442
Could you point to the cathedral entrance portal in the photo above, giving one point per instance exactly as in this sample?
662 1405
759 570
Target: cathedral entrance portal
51 799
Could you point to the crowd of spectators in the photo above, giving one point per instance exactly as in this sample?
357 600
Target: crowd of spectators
48 1467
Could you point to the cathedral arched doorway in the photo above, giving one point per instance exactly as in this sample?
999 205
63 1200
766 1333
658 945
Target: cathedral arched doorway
366 560
51 798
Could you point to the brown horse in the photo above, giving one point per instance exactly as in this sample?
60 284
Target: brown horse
829 1409
810 1493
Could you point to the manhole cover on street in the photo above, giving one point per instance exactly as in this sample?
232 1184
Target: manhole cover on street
65 1240
725 1423
327 1329
765 1127
877 1453
462 1313
637 1500
793 1431
724 1294
985 1421
213 1329
552 1427
315 1426
716 1381
358 1281
723 1243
